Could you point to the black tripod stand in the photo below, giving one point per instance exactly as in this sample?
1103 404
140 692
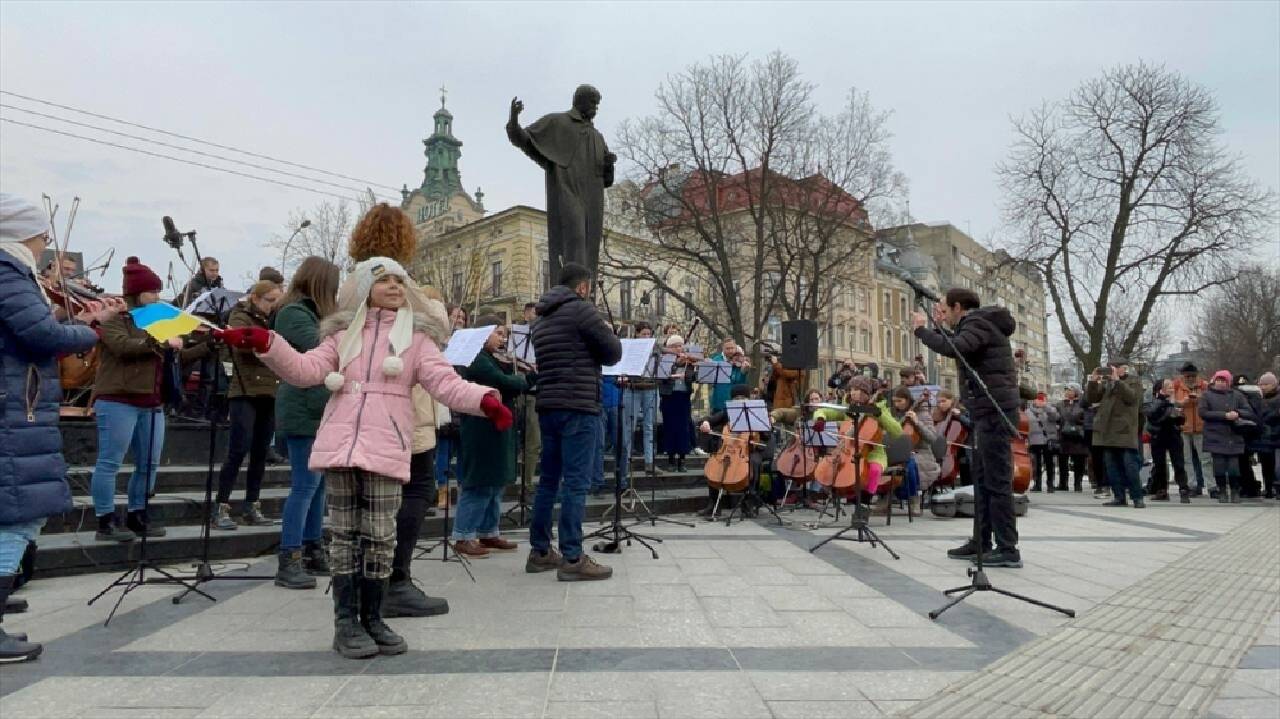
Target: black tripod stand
519 514
443 541
860 517
617 532
978 577
204 571
136 576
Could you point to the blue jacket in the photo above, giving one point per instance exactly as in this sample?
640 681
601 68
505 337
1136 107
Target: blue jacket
32 472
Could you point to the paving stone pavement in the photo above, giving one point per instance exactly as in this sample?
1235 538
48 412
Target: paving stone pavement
1164 647
739 621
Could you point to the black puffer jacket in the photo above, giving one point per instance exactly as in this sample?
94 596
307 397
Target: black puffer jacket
982 338
1163 425
571 342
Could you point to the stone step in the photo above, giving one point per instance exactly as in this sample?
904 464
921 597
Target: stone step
77 552
178 508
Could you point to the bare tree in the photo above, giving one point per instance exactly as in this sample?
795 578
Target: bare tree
1121 195
749 194
457 270
1145 351
1239 323
326 236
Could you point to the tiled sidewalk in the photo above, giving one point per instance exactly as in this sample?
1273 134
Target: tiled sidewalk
738 621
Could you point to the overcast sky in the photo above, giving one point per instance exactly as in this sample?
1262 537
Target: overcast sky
350 88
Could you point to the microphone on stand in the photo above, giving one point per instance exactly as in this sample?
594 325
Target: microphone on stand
107 264
919 289
172 237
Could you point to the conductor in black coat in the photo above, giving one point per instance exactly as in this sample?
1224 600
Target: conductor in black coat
981 336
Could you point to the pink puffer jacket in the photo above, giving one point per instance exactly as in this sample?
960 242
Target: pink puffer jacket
369 423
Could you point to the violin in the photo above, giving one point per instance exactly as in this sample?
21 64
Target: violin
729 469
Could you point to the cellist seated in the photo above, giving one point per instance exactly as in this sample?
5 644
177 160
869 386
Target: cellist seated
714 424
860 393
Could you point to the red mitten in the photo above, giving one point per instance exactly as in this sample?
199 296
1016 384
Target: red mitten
496 412
819 424
257 339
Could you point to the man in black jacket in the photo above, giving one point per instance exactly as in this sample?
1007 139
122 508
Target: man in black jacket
981 336
571 343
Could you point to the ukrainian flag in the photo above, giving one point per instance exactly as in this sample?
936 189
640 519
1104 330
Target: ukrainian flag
164 321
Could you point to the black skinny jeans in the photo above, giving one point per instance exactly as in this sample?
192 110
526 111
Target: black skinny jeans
415 497
1042 465
1162 453
1226 470
1077 462
253 423
1097 466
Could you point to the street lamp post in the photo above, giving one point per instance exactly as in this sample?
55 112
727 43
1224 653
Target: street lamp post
285 250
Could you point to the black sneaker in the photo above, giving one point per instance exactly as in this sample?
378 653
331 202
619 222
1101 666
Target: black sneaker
1139 504
140 522
1002 557
968 550
1116 503
14 650
110 531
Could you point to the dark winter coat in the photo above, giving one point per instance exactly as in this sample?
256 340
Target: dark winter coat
299 409
1260 441
250 378
1271 418
32 472
1072 427
982 338
1117 421
488 457
1164 426
1220 436
572 342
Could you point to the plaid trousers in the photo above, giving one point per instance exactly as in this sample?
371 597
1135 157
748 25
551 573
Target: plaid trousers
362 518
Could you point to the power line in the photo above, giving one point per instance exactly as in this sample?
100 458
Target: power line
196 139
177 159
181 148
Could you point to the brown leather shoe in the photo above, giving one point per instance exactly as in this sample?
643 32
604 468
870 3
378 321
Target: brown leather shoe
583 570
537 563
497 544
471 549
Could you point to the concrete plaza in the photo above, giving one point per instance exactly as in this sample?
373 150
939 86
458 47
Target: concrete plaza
1177 616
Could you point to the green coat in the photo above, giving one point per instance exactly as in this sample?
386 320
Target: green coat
298 410
1116 422
250 377
488 457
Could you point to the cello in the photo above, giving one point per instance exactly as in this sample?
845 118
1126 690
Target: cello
798 460
729 469
1021 454
954 433
837 470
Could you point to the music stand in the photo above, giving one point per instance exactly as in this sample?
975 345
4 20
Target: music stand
443 541
750 415
520 347
712 372
861 514
636 355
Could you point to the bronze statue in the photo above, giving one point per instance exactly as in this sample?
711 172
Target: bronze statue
578 167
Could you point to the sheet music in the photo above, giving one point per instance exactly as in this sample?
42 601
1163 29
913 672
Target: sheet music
635 357
464 345
520 343
710 372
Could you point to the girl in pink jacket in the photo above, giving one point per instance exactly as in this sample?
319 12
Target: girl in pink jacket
370 357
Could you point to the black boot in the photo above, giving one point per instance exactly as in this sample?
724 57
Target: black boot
314 560
349 636
110 531
1035 486
371 594
13 648
1221 492
290 575
140 523
404 599
1184 496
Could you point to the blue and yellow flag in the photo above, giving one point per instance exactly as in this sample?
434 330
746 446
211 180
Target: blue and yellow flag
164 321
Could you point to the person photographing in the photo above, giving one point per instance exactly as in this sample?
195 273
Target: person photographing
980 336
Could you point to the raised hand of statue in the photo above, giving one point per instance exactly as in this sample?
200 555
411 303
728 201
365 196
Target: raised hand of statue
517 107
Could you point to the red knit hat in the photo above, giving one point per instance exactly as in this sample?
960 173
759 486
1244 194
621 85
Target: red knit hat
139 278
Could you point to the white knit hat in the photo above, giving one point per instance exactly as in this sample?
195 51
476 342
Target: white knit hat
20 220
401 336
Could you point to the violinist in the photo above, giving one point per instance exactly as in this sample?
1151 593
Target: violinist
713 424
729 352
676 406
920 426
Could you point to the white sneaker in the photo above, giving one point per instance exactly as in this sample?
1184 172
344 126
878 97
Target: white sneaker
700 451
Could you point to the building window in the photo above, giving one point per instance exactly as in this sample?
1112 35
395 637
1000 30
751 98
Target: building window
688 305
888 342
906 347
840 338
866 340
546 275
457 288
496 269
660 303
624 302
902 306
862 301
886 307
